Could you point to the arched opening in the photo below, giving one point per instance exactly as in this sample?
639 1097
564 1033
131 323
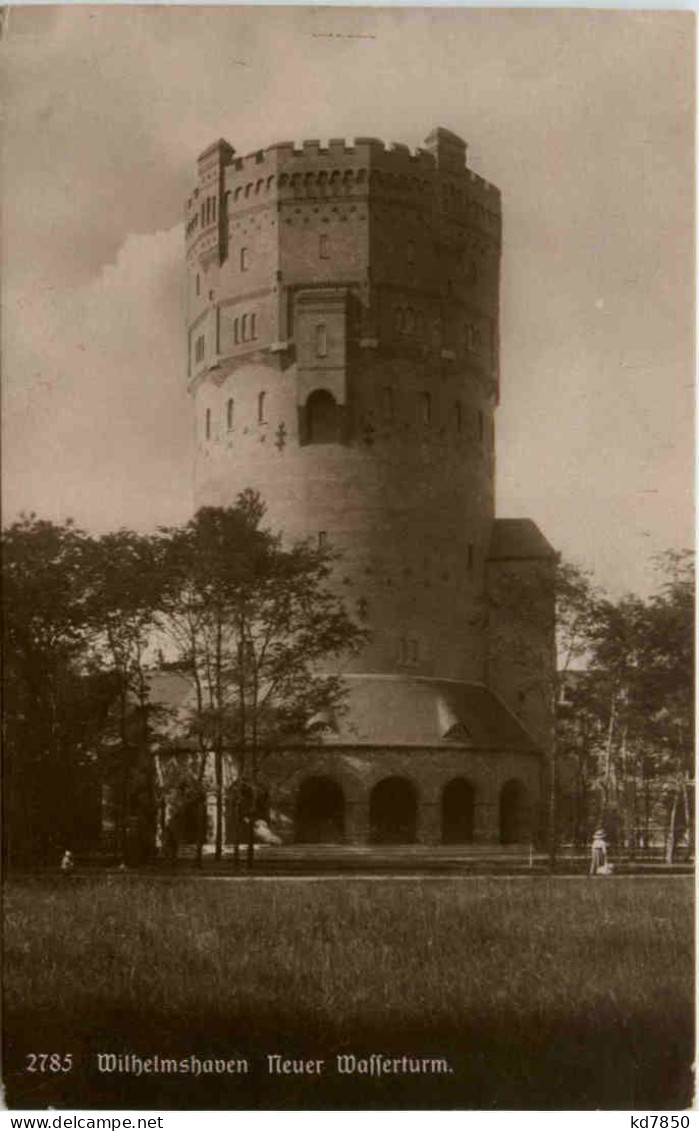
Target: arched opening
393 812
458 799
320 812
322 418
515 824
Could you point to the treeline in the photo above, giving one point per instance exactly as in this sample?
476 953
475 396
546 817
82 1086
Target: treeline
624 749
244 621
247 623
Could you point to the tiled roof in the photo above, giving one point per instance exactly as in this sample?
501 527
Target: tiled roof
394 710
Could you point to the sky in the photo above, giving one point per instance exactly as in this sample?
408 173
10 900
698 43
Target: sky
585 121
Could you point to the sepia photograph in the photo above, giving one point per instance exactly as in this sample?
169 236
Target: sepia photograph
348 539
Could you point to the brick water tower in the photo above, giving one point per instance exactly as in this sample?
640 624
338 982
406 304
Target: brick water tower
343 330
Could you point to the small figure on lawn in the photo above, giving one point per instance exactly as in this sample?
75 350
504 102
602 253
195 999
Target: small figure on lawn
67 863
598 862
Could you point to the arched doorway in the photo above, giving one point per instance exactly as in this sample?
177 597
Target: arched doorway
322 418
515 825
458 799
320 812
393 812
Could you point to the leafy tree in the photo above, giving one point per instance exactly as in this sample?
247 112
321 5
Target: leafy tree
253 622
632 707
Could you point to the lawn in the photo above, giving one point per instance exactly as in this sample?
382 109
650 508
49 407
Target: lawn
538 993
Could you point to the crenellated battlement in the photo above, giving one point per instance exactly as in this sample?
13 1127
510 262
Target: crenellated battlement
434 180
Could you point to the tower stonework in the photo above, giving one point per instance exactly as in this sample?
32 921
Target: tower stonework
342 336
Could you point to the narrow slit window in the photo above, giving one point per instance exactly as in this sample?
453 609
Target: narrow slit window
411 251
244 328
323 249
236 331
229 413
321 340
481 426
213 207
459 416
207 424
426 408
322 539
244 259
198 285
262 397
199 348
253 326
469 559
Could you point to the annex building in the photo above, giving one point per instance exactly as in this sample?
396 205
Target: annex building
343 360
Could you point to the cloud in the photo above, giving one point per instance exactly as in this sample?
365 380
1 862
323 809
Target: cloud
584 119
96 417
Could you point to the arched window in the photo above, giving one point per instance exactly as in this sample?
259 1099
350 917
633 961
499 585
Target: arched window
261 398
207 424
248 190
259 186
322 421
237 193
426 408
321 340
229 413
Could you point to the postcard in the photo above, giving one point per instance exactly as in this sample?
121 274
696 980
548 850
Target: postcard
347 559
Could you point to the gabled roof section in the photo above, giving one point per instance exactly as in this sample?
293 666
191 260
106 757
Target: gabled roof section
389 710
518 539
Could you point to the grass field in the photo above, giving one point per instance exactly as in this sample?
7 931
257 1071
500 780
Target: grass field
541 993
